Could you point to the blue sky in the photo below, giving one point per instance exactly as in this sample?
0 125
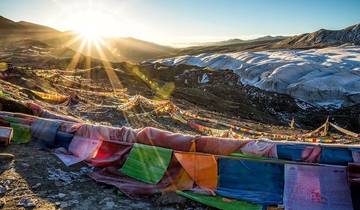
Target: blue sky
179 21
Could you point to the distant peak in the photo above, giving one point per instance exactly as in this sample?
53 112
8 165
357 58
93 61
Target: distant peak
323 37
2 18
353 27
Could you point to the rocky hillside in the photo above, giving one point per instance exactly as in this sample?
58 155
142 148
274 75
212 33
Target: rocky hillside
323 38
318 39
14 31
327 77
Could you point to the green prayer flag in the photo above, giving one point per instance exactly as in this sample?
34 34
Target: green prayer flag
249 156
12 120
147 163
220 202
22 133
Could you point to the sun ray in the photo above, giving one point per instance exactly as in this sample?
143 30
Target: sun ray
71 41
106 46
75 59
113 78
163 92
88 58
63 48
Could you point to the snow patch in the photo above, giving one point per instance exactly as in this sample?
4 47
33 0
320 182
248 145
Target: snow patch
204 79
326 77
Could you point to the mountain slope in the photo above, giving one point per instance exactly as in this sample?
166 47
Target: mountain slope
36 27
327 76
113 49
12 31
240 41
253 45
135 50
318 39
323 38
116 49
6 24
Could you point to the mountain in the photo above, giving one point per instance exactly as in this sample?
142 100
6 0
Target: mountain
238 41
25 34
320 38
325 76
317 39
218 43
36 27
6 24
113 49
232 45
13 31
323 38
135 50
269 38
9 25
302 74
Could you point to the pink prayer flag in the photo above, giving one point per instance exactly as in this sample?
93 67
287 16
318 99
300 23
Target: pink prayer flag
316 187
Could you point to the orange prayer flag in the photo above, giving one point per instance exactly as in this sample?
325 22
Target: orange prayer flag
202 168
182 181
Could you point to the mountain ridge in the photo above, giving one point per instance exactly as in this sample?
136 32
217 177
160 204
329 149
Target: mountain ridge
323 38
13 34
135 50
238 41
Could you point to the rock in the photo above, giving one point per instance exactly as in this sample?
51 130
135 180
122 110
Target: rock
64 205
2 190
168 208
83 179
7 182
42 193
61 195
139 205
110 205
69 203
57 174
25 165
58 184
105 200
86 170
37 185
58 196
204 79
27 202
170 198
74 193
62 178
2 203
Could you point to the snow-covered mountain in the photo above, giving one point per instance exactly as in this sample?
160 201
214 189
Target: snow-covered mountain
327 76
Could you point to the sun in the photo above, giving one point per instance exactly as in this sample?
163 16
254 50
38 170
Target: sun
93 25
89 34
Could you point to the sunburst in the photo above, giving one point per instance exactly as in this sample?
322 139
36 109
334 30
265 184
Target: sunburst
91 34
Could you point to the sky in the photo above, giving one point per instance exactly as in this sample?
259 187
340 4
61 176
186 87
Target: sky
177 22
